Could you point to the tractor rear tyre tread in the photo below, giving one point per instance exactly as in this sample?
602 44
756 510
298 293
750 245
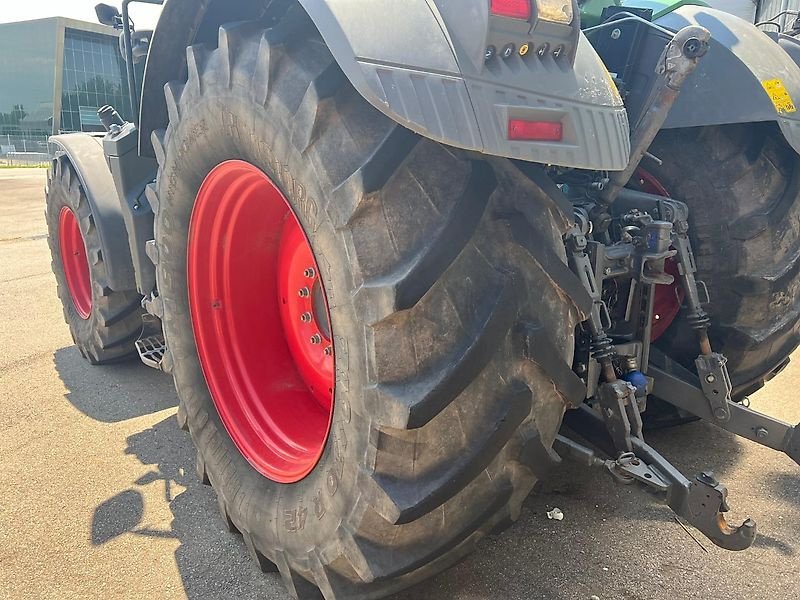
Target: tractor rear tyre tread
744 198
115 322
437 412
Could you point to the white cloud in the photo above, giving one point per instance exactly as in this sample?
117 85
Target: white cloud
13 10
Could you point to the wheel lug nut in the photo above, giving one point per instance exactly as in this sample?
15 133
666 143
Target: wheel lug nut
303 292
328 351
316 339
306 317
309 272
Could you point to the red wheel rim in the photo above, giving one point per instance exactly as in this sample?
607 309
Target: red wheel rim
261 321
75 262
668 300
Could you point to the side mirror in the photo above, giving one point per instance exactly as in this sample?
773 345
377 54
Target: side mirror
108 15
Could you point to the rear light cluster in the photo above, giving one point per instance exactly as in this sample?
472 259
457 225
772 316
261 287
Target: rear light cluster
555 11
530 12
521 130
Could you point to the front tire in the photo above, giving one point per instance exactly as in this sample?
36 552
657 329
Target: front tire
440 426
104 323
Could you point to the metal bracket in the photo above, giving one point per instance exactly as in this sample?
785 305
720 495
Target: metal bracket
628 468
620 413
680 387
716 384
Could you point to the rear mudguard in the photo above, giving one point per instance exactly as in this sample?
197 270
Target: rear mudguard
422 63
85 153
730 85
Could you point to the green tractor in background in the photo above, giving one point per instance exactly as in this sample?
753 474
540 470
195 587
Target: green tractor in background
402 258
592 10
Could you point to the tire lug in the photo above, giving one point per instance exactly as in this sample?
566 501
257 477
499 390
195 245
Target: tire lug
306 317
329 351
303 292
316 339
310 273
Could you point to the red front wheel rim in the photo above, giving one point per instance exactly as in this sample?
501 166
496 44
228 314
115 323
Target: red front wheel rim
261 321
75 262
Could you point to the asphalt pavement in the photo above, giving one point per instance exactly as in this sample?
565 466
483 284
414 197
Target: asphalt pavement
99 499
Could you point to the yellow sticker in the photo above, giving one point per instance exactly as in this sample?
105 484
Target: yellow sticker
780 96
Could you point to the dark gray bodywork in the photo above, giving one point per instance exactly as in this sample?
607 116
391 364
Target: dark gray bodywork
421 62
727 86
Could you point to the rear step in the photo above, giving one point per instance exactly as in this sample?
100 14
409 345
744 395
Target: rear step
152 351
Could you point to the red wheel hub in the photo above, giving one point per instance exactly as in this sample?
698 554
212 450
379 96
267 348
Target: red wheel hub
668 300
261 322
75 262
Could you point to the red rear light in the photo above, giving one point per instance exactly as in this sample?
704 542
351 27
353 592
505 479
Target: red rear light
514 9
535 131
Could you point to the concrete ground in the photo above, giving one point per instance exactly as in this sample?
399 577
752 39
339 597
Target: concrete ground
99 498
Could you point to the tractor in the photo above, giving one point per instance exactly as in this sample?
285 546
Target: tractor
402 259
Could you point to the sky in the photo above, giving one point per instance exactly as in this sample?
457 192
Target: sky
143 15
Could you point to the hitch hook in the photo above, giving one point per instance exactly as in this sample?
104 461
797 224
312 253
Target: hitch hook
702 502
706 505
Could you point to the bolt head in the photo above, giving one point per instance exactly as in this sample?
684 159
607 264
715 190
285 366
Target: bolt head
309 272
306 317
762 433
303 292
695 48
710 378
316 339
720 413
616 34
329 351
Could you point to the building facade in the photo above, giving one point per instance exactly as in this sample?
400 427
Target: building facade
767 9
746 9
54 76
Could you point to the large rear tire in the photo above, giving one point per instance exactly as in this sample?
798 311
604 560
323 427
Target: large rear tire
104 323
440 425
742 185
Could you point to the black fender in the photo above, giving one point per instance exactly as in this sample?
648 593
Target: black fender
85 153
729 84
422 63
